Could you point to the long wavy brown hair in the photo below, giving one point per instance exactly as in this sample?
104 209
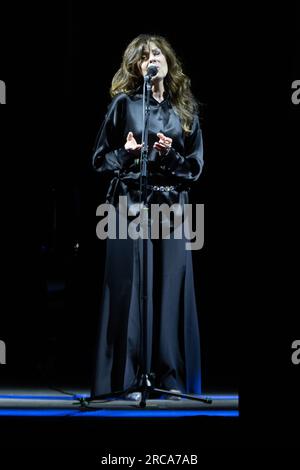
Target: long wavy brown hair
178 85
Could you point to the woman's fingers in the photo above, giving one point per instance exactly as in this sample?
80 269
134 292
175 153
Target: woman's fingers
163 145
164 140
160 147
131 144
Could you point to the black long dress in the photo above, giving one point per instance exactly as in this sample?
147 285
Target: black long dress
173 332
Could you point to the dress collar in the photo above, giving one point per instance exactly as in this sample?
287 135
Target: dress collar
139 94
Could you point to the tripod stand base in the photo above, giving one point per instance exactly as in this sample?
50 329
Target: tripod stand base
145 388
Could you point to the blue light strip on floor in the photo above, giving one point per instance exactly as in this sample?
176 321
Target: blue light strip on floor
119 413
223 397
76 397
39 397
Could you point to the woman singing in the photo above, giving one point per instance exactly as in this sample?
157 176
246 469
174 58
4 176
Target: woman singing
175 161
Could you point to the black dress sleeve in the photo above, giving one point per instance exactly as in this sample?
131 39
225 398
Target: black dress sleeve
109 154
188 166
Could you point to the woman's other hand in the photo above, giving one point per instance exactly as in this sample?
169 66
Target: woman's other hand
164 144
131 144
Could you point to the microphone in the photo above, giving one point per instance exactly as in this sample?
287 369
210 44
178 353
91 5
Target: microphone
151 72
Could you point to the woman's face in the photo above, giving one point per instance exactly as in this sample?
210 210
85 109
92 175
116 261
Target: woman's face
153 56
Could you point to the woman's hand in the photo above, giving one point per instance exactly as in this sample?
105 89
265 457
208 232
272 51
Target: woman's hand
164 144
131 144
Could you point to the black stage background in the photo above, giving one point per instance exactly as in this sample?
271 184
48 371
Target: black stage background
58 62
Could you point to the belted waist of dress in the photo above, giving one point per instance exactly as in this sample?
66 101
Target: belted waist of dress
157 186
134 184
162 188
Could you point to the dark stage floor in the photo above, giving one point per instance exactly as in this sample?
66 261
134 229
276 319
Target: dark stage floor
42 417
35 417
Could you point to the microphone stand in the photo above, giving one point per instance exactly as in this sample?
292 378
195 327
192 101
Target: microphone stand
145 386
145 379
